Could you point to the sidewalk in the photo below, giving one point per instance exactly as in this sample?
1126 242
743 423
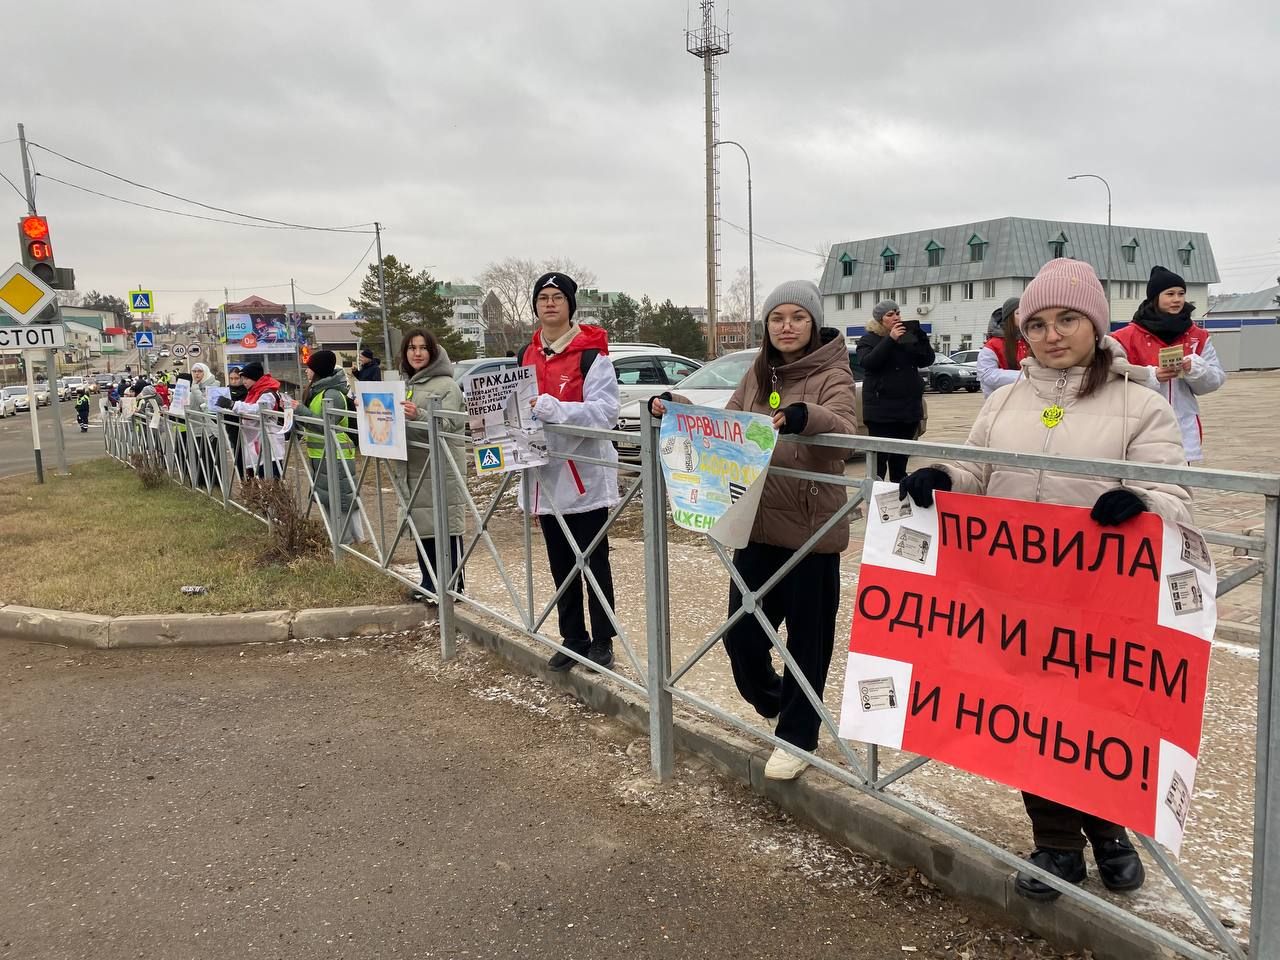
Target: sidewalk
1239 430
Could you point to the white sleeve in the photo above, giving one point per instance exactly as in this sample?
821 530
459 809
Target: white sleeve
598 407
990 374
1206 374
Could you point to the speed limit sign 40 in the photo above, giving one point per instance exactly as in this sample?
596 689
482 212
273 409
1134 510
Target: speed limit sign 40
179 351
193 350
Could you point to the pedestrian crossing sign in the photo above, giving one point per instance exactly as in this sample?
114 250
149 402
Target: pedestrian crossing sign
141 301
488 459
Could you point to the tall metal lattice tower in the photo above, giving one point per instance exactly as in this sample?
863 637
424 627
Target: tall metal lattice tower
709 42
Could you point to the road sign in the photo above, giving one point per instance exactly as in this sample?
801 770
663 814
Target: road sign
179 351
38 336
23 295
193 349
144 340
141 301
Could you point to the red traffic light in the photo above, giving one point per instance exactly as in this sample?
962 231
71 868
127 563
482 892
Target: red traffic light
40 250
35 228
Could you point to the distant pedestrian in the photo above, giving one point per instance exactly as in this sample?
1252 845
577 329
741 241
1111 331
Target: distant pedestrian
367 366
891 353
1162 321
1000 359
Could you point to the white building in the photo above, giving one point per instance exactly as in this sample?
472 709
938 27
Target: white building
952 278
465 299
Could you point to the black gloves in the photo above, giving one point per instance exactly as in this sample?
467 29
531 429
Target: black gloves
797 416
226 403
919 485
664 397
1116 506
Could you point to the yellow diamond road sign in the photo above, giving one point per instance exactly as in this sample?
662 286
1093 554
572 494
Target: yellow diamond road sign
22 294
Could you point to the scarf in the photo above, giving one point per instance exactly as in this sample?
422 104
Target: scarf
264 384
1167 326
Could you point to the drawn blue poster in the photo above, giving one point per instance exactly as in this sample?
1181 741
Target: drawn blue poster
714 463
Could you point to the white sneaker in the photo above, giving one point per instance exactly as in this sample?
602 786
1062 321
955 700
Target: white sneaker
784 766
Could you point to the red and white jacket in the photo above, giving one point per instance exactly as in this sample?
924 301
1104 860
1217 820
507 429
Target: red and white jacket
1143 347
566 396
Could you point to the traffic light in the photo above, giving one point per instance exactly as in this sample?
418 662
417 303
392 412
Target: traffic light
37 249
306 354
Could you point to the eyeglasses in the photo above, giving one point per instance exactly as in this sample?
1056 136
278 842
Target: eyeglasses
545 298
777 323
1037 330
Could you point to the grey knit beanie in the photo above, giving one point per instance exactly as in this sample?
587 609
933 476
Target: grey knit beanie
803 293
883 307
1008 308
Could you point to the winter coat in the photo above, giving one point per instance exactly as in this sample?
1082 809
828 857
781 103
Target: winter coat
892 390
1122 420
333 390
571 484
434 380
370 371
1206 375
791 510
199 397
269 400
993 371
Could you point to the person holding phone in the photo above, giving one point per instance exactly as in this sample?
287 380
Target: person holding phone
892 351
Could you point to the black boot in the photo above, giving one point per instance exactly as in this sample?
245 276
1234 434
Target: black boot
561 662
1119 865
1067 864
601 652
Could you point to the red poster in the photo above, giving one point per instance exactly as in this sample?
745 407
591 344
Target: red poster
1023 642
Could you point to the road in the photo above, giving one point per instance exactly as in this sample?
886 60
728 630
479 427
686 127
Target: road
364 800
16 456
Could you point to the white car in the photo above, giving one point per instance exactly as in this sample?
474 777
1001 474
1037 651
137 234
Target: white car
8 407
42 394
21 402
644 373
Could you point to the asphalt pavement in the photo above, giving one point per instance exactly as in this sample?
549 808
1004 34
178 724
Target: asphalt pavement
16 456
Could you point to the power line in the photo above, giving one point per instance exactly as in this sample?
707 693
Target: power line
173 196
344 279
15 187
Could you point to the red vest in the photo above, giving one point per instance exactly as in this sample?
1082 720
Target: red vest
561 374
1143 347
996 346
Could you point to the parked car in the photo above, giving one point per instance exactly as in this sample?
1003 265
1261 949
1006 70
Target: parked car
8 408
464 368
21 402
62 388
643 373
945 375
711 386
965 356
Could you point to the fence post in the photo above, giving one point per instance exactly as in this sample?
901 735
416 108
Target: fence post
331 467
657 603
222 453
443 559
1265 921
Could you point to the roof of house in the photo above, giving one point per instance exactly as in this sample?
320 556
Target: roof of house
1246 302
311 308
467 291
1014 247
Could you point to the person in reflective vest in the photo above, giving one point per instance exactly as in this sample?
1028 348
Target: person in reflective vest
82 410
327 386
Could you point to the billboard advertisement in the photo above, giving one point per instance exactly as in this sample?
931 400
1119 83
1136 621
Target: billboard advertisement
260 333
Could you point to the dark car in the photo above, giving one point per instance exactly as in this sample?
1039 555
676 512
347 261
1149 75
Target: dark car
945 375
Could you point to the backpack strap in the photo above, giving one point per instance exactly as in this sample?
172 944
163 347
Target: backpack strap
587 358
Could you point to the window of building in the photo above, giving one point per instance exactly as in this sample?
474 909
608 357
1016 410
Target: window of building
857 301
966 342
846 265
1130 250
977 249
900 296
1058 246
924 294
946 292
934 253
1184 253
839 301
890 258
988 289
945 340
966 290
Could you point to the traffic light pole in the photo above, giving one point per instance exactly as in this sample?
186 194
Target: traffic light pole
50 356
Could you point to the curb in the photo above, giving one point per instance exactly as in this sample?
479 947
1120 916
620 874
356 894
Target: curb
847 816
206 630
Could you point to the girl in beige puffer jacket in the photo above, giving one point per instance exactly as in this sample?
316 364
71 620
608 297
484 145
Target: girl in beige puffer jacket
1077 397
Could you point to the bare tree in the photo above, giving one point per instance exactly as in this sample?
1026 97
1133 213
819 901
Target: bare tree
823 250
200 314
581 275
510 325
68 298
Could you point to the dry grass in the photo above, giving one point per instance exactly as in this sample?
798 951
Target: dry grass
96 542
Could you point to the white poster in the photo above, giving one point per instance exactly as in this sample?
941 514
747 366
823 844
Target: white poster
506 433
180 398
380 419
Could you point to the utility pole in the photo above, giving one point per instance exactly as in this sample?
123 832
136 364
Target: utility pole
382 299
707 43
50 356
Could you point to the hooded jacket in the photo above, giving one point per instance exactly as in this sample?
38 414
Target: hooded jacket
370 371
573 485
1142 346
200 399
1122 420
892 390
791 510
435 380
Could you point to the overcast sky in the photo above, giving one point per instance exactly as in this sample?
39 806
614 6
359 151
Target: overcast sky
477 131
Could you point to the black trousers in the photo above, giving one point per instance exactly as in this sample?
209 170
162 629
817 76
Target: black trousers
584 527
455 558
1056 826
807 598
895 463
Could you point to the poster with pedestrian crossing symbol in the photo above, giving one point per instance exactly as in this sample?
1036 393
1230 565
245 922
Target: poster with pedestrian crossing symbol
508 436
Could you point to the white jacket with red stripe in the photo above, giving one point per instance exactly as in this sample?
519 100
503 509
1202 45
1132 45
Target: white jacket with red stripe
572 485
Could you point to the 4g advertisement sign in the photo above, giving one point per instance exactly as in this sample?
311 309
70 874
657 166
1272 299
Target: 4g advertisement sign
1025 643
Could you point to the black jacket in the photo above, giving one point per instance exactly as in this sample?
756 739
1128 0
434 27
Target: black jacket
892 390
370 371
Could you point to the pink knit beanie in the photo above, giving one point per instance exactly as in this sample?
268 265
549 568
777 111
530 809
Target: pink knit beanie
1066 284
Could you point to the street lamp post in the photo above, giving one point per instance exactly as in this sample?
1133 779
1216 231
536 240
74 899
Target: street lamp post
1110 241
751 252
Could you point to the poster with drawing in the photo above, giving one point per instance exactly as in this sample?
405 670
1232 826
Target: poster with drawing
506 434
380 420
